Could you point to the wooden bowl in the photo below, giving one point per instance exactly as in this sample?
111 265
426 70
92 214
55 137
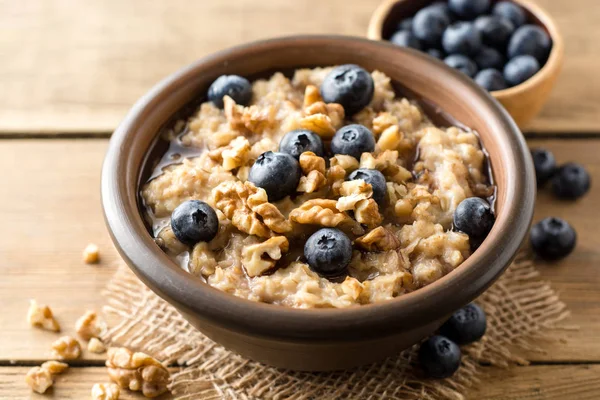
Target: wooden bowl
318 339
523 101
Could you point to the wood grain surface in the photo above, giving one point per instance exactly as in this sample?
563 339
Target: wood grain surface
54 211
78 66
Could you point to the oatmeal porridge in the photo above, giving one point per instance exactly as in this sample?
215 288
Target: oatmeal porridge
320 190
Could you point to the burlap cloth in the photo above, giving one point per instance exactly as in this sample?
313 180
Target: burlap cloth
520 308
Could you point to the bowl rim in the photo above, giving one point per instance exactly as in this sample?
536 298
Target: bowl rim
191 296
547 70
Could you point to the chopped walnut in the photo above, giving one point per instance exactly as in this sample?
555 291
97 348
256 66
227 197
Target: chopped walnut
311 96
352 192
55 367
387 163
88 325
390 138
320 124
311 182
383 121
137 372
39 379
335 178
202 260
248 209
309 161
348 163
103 391
233 112
258 119
95 345
322 212
379 239
367 212
41 316
314 105
91 254
234 155
352 287
66 348
261 257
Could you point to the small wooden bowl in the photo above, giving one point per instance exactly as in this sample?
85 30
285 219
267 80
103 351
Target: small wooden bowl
523 101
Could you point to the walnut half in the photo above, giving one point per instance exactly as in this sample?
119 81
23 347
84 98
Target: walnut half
41 316
261 257
137 372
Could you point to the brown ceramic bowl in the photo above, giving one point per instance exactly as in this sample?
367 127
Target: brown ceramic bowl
318 339
523 101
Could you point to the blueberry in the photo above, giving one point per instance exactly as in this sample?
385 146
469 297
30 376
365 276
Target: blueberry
552 238
194 221
374 178
328 251
494 31
511 12
462 63
277 173
519 69
474 217
490 79
489 58
530 40
429 25
571 181
461 38
349 85
439 357
442 7
234 86
405 24
469 9
436 53
353 140
467 325
545 165
406 39
298 141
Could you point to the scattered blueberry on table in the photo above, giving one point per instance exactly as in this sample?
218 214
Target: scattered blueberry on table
328 251
194 221
466 325
544 164
277 173
553 238
439 357
571 181
473 36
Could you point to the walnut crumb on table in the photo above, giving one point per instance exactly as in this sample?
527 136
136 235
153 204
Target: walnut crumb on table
137 372
88 326
95 345
39 379
66 348
105 391
41 316
91 254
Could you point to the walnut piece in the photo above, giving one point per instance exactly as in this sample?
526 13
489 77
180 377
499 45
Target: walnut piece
335 178
233 113
323 212
88 325
95 345
352 192
383 121
379 239
103 391
91 254
41 316
55 367
367 212
66 348
309 162
137 372
249 210
234 155
320 124
348 163
39 379
387 163
352 287
314 105
390 138
261 257
311 96
311 182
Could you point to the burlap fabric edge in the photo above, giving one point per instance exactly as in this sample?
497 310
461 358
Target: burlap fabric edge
521 309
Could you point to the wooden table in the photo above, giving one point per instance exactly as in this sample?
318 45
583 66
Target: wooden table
71 69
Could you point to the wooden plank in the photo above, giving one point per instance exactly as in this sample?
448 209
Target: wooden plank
75 384
556 382
78 66
52 209
547 382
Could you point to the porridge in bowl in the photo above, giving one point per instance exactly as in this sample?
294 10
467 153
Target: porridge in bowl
325 189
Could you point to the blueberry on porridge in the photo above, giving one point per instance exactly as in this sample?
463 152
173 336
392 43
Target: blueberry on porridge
323 189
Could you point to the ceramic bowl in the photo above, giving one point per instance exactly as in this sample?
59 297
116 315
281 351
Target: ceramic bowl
318 339
523 101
